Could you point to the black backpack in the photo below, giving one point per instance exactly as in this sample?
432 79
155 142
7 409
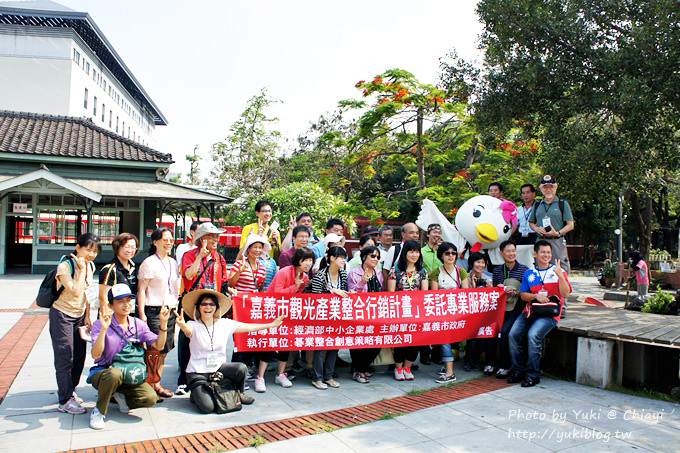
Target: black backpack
48 291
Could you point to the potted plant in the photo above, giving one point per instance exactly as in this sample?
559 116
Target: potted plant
609 273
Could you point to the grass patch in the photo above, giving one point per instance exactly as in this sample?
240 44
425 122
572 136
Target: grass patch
416 392
257 440
390 415
642 392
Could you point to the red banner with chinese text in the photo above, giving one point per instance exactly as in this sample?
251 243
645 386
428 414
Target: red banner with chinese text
369 320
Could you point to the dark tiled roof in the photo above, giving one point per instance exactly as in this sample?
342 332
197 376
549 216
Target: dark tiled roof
47 135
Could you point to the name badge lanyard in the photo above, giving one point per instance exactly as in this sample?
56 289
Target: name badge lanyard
169 271
545 275
527 214
211 335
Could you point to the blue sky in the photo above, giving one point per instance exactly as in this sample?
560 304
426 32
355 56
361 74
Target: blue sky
201 61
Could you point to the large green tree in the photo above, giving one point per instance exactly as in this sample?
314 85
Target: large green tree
597 82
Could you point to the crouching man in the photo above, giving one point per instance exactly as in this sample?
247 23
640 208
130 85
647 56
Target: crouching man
117 349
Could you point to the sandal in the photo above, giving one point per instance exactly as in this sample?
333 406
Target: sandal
163 393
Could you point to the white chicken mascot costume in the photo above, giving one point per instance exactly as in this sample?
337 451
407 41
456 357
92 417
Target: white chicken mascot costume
483 222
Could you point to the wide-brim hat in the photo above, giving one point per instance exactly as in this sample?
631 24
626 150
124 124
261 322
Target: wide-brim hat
189 303
253 238
332 237
205 228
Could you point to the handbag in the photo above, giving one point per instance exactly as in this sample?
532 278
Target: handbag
548 309
130 360
224 399
152 360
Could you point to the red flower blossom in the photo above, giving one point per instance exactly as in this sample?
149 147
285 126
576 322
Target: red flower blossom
383 100
377 81
365 92
359 83
453 213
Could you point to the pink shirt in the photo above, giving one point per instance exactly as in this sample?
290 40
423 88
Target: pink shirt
642 275
163 288
284 282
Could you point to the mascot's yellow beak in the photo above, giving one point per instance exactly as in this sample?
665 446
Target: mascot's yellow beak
487 232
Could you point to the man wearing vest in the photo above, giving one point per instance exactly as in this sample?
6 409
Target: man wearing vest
551 219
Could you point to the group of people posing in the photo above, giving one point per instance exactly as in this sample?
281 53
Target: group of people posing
139 310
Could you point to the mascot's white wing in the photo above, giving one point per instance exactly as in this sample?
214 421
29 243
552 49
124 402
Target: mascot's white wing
429 214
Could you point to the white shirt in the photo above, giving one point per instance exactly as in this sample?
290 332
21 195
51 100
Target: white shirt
390 259
200 344
181 250
523 215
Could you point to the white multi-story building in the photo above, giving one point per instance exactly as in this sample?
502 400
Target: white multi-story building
56 61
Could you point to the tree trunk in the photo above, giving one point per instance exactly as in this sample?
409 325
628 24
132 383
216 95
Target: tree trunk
641 211
420 161
473 150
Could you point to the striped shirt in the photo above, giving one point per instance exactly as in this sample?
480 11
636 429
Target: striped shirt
247 280
501 273
321 282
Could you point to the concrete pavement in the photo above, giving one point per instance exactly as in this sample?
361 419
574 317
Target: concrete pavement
554 416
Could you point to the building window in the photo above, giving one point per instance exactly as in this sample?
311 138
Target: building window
94 106
105 87
94 74
122 132
87 68
110 118
103 112
85 101
116 125
76 56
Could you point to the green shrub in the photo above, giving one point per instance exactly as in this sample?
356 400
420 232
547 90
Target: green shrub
658 303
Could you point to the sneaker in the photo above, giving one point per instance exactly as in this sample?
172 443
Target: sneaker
122 404
283 381
72 407
399 374
320 385
489 370
502 373
181 389
78 399
96 419
444 379
246 399
515 377
250 377
360 377
290 374
246 386
442 370
260 386
407 374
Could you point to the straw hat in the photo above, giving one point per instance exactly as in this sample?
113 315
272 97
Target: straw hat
189 303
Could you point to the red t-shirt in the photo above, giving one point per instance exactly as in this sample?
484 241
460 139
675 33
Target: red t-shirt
215 271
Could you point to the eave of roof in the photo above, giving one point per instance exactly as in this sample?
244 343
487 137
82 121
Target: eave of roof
88 30
28 134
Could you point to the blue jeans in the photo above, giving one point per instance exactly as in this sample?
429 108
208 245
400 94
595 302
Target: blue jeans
535 330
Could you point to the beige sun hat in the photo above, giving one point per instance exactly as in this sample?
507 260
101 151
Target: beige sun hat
253 238
189 303
206 228
332 237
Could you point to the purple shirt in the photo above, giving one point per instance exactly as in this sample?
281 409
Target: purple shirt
285 258
114 343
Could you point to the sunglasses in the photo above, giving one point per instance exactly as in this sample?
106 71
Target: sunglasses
207 304
449 253
374 256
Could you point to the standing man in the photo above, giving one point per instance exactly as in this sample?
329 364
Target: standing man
551 219
202 268
527 236
302 219
496 190
333 226
300 240
188 244
541 283
263 212
429 252
409 231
